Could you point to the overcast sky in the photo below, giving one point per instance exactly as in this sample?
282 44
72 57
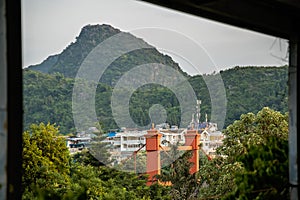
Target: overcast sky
198 45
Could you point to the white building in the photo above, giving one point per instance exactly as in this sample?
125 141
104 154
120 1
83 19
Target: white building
123 144
172 136
211 139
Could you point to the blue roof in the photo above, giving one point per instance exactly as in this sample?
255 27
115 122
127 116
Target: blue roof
111 134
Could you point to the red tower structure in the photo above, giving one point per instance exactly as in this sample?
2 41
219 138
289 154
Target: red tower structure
153 154
192 138
192 141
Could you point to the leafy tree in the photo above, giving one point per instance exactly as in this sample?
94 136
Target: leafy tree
253 156
98 149
160 192
183 184
46 161
50 173
265 174
134 163
86 158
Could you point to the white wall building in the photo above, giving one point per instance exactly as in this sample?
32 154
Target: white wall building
123 144
210 141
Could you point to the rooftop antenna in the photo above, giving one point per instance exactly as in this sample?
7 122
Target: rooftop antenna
193 118
198 115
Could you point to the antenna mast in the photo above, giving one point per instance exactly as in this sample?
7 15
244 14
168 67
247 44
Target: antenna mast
198 114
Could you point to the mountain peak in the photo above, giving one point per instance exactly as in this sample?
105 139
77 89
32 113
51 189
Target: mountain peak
90 31
69 61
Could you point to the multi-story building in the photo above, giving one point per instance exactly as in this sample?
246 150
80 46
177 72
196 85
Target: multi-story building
124 143
211 139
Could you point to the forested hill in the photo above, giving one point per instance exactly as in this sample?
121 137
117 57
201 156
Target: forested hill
48 86
70 59
48 97
248 89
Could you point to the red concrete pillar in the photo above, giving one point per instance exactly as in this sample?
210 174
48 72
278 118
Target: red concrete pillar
153 154
192 138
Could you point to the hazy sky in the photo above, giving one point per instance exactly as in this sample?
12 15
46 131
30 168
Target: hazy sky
199 45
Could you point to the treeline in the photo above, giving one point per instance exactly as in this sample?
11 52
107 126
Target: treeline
248 89
50 172
48 97
252 163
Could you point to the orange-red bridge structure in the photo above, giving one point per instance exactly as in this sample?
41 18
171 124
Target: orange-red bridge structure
153 148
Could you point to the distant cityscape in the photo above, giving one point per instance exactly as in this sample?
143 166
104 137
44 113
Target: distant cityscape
123 143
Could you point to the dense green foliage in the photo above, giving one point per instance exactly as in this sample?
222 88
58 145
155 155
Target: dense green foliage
252 164
49 172
248 89
48 98
254 161
266 172
183 185
46 161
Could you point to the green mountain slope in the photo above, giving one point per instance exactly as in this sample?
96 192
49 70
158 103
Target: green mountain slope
71 58
248 89
48 87
48 98
46 65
